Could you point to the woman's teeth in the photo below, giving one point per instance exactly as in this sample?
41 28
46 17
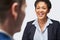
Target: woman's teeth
41 14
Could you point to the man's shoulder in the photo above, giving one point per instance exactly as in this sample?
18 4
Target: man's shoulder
4 37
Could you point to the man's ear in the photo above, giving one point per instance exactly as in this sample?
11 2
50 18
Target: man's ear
14 10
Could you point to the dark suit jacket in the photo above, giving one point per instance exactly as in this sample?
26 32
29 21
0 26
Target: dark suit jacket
4 36
53 31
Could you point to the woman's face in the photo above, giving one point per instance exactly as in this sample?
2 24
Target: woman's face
41 10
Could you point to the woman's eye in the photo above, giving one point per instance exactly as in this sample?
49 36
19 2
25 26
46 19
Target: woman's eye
44 8
38 8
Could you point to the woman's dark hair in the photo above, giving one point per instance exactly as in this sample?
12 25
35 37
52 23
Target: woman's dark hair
46 1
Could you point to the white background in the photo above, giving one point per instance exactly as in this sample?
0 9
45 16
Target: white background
30 15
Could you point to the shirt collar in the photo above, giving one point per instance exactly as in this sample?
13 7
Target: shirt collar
37 25
2 31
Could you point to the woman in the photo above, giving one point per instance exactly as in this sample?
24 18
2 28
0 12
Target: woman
42 28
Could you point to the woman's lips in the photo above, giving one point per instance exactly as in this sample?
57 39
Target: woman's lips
41 14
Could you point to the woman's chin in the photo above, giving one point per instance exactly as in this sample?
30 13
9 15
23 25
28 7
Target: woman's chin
41 18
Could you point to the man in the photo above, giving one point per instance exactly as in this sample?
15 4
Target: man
12 13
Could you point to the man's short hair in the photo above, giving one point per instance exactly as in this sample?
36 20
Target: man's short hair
5 5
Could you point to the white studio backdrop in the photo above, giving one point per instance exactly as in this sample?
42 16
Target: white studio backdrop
31 15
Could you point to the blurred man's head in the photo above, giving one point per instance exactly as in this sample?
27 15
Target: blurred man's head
12 15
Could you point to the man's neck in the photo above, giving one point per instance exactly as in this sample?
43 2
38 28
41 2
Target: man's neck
6 33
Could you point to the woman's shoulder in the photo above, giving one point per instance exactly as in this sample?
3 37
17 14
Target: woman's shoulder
30 22
55 21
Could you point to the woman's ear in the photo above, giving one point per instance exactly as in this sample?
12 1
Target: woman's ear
48 10
35 9
14 10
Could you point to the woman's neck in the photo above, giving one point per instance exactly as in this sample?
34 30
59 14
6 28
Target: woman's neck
42 23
